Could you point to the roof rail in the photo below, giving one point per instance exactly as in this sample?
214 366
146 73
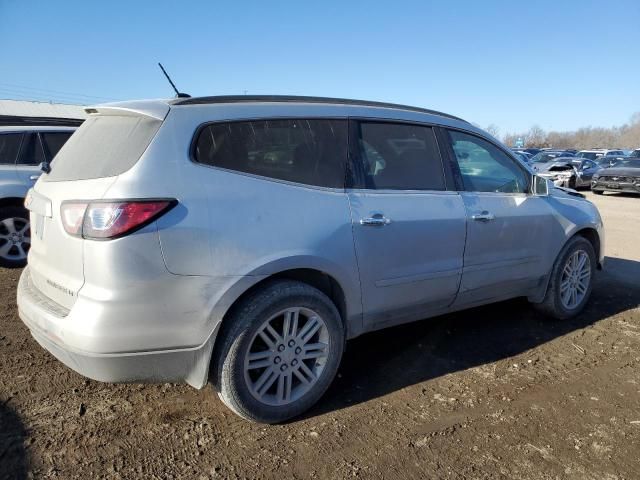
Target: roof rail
303 99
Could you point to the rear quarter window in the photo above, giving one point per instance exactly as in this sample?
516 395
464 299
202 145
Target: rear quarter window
104 146
52 142
311 152
9 147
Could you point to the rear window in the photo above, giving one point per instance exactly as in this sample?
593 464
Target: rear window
312 152
104 146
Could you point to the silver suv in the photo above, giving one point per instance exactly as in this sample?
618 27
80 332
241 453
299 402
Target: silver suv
22 150
243 240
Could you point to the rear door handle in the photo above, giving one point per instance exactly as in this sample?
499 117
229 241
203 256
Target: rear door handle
34 177
483 217
376 220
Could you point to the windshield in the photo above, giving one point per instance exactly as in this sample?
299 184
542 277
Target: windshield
635 153
629 164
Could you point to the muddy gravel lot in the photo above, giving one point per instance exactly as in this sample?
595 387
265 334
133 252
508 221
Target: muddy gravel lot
493 392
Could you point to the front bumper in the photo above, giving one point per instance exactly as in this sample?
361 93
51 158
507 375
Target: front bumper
610 186
52 326
559 181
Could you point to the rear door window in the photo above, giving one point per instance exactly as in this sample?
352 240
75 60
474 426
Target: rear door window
311 152
396 156
52 142
9 147
31 152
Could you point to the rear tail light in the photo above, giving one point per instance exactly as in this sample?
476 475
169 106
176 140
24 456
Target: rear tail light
72 214
105 220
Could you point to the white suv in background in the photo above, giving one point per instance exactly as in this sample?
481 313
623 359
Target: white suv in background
598 152
22 150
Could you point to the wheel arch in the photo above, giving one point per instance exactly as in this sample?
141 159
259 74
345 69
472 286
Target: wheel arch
316 278
12 202
592 235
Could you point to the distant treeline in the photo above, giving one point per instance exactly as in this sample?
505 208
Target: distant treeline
626 136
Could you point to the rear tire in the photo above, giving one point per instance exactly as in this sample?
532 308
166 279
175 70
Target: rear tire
266 369
598 192
571 280
15 236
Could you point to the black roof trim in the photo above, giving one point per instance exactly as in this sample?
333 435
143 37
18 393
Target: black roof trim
304 99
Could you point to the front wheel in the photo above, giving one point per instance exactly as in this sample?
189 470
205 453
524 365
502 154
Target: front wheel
15 237
571 280
279 352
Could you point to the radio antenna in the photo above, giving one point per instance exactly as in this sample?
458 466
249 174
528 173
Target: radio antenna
173 85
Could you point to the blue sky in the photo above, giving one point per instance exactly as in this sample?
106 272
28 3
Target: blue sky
559 64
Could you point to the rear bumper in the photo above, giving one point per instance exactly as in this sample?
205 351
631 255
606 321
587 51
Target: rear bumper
55 328
188 365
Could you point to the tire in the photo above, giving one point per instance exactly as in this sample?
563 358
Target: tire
553 304
598 192
573 183
245 337
15 237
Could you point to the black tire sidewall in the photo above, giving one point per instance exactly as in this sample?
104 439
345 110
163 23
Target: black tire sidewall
237 340
13 212
577 243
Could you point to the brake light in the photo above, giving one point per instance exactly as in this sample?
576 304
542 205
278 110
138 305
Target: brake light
72 214
104 220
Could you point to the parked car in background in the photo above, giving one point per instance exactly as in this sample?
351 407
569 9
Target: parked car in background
607 161
219 237
598 152
532 151
546 156
635 153
623 177
22 150
522 156
571 172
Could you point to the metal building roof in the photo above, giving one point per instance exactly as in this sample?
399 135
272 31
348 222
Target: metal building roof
22 108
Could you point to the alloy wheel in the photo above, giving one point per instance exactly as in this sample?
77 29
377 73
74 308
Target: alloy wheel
15 238
575 279
286 356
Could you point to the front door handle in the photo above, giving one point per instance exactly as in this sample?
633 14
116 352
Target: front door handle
483 217
376 220
34 177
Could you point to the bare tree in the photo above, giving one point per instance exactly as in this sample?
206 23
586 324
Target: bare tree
536 137
625 136
493 130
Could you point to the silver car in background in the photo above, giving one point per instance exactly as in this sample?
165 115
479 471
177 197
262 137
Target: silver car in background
243 240
23 148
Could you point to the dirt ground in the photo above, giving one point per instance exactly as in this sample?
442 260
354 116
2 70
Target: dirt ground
493 392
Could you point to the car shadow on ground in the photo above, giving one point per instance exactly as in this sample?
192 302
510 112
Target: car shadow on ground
382 362
13 455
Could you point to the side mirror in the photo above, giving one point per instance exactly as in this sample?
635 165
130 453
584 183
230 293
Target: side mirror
540 186
45 167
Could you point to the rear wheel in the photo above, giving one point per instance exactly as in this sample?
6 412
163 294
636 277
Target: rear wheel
15 237
571 280
598 192
279 353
